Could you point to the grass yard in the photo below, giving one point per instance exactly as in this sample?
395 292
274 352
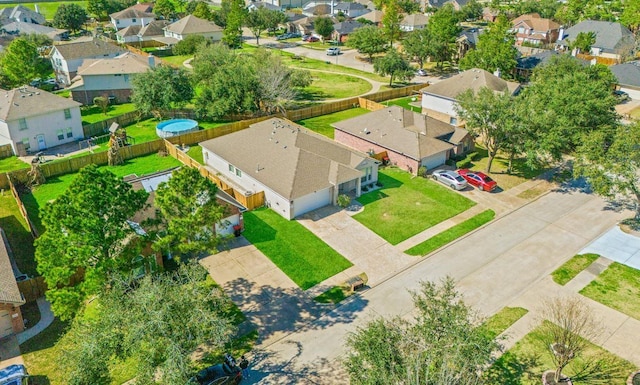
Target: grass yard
530 357
12 163
48 9
617 287
322 124
195 151
503 319
407 205
55 186
451 234
520 173
94 114
405 103
573 267
328 65
176 60
17 232
333 86
301 255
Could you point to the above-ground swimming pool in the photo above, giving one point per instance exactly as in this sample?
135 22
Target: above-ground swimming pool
168 128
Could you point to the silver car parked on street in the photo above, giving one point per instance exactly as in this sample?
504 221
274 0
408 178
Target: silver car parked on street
450 178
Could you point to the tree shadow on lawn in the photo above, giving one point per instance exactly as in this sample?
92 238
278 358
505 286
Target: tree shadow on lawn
306 95
277 311
388 182
512 369
21 243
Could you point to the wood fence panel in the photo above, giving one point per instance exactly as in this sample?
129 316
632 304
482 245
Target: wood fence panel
6 151
102 127
4 181
22 209
32 288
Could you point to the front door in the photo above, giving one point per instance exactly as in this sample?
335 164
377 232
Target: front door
41 144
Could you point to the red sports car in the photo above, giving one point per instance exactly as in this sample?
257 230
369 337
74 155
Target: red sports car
478 179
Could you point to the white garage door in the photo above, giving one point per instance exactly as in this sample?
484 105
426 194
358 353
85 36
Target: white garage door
434 161
312 201
6 327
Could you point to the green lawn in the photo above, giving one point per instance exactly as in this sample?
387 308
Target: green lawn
452 233
93 114
322 124
573 267
17 231
11 164
48 9
176 60
530 357
57 185
407 205
521 171
301 255
404 103
617 287
333 86
195 151
503 319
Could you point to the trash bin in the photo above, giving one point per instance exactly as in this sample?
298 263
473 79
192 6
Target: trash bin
237 230
355 283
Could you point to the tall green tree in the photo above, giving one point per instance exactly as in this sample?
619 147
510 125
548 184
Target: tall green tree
153 324
232 34
189 45
263 19
323 26
161 89
391 20
564 101
630 16
203 11
86 232
417 45
70 16
443 344
583 42
273 20
495 49
394 65
368 40
21 63
472 10
190 212
443 29
164 8
610 161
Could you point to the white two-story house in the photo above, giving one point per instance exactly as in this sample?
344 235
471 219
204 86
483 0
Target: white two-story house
134 15
32 120
67 58
109 77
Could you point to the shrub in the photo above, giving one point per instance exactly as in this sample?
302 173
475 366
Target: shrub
344 200
466 163
188 45
422 171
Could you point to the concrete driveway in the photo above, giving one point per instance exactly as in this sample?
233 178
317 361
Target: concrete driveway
618 246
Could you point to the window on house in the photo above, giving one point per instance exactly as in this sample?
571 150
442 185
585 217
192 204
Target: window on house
23 123
133 20
69 132
231 168
453 121
60 134
238 172
26 143
126 77
67 113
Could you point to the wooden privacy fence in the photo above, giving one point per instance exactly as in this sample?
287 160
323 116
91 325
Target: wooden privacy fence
22 209
32 288
608 61
6 151
99 128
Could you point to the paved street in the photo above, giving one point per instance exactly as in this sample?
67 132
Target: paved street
501 264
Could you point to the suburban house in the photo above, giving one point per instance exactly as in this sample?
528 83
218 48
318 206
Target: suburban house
613 40
439 99
67 58
342 30
457 4
526 64
312 9
350 10
255 5
191 25
22 14
21 28
286 4
628 76
367 3
535 30
297 169
490 15
142 36
413 22
10 297
32 120
134 15
374 16
109 77
301 24
467 40
404 138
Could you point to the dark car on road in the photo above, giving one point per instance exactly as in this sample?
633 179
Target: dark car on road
478 179
220 374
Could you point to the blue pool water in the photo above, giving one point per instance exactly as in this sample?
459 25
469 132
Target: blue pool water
174 127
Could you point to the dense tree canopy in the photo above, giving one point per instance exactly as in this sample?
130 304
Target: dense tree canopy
443 29
164 8
86 230
368 40
391 20
630 16
232 34
70 16
21 63
161 89
323 27
153 324
417 45
442 346
202 10
263 19
495 49
394 65
188 45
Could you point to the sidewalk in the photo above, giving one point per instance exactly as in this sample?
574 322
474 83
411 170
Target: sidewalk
46 318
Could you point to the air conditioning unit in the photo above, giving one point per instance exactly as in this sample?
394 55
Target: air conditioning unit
248 193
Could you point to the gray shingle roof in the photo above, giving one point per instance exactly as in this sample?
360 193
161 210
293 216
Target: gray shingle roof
9 292
628 74
530 62
191 24
346 27
288 158
154 28
610 36
22 14
132 13
28 101
87 49
402 131
473 79
349 7
26 28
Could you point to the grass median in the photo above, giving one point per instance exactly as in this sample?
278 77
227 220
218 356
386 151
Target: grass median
451 234
617 287
573 267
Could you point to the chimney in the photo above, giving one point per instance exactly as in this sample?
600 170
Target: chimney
561 33
152 61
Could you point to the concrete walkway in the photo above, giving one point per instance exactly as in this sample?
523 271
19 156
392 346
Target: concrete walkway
618 246
46 318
